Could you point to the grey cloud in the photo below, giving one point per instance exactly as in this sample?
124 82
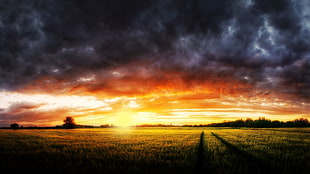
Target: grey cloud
248 38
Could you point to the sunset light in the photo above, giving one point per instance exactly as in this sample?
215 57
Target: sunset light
175 108
175 66
155 86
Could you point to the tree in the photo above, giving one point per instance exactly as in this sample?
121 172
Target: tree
14 126
302 122
69 123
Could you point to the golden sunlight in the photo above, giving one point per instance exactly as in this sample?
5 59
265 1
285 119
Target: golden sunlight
124 119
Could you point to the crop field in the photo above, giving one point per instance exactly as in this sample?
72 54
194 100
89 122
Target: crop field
156 150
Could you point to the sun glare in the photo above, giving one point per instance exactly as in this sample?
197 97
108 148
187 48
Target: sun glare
124 119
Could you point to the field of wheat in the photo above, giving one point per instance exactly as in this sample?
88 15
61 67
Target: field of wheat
156 150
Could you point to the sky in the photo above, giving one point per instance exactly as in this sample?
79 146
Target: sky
153 62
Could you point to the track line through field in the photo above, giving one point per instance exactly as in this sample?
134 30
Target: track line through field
203 159
201 154
258 165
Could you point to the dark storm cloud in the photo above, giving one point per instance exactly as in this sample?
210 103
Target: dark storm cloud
259 42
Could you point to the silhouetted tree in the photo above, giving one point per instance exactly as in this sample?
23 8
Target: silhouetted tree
248 122
302 122
69 123
14 126
262 122
276 123
237 123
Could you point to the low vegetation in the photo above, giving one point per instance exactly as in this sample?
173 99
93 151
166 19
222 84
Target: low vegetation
262 122
156 150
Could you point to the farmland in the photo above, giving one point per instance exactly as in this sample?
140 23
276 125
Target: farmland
156 150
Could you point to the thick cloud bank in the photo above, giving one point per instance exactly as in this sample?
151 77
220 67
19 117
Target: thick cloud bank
264 44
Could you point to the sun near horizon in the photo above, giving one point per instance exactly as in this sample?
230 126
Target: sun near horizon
153 62
177 109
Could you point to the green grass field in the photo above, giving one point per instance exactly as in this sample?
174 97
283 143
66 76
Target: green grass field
156 150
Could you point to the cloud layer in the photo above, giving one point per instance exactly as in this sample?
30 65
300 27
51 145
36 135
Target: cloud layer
262 43
237 48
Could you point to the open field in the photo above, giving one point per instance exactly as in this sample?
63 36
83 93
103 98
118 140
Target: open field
156 150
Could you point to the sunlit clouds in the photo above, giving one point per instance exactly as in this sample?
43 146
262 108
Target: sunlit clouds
153 62
177 109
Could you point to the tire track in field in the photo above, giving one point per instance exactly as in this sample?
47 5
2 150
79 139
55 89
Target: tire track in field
202 161
257 165
201 152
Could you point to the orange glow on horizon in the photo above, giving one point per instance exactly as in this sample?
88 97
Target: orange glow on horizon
133 96
176 108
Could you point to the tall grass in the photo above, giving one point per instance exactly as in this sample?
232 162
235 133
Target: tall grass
286 149
155 150
152 150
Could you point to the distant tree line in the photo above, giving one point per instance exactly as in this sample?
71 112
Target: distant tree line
156 125
262 122
69 123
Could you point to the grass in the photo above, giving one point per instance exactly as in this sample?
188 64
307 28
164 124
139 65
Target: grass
285 150
156 150
247 162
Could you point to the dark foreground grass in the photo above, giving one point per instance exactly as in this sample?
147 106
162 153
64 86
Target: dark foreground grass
201 155
283 150
248 163
99 151
154 150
